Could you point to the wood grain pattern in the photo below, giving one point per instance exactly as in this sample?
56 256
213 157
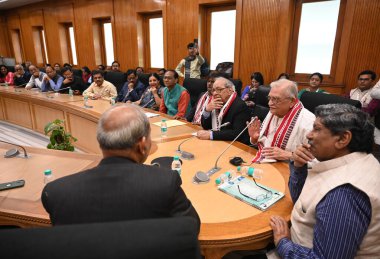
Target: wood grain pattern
18 112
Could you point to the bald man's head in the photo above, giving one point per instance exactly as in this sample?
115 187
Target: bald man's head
122 127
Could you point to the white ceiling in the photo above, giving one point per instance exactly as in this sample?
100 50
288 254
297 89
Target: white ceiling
16 3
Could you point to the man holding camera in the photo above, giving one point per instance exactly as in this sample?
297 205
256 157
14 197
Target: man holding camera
192 63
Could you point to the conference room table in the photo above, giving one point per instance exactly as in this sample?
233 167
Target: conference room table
227 223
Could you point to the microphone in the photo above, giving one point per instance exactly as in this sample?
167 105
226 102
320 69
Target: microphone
14 152
202 177
66 88
145 105
189 156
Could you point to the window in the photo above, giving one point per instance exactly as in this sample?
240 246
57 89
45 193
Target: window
40 45
315 42
73 49
67 40
17 46
103 41
150 39
218 22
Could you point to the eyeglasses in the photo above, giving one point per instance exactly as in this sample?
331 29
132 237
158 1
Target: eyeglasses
218 90
364 79
267 195
276 100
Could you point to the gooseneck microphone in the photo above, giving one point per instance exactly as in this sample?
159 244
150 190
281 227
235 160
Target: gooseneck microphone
187 155
14 152
201 177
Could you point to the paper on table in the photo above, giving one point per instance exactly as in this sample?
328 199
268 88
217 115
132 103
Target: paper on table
151 115
170 123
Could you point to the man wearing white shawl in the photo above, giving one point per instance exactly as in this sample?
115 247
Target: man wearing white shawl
285 127
225 108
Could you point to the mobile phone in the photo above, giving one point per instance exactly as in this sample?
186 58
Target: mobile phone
196 43
12 185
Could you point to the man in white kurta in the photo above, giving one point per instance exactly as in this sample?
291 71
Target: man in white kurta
337 211
286 125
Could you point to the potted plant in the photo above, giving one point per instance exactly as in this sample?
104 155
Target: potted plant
59 138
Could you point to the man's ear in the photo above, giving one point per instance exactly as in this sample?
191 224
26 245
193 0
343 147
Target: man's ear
293 102
141 146
343 140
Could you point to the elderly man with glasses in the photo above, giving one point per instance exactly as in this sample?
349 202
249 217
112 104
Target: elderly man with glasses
21 78
285 127
225 116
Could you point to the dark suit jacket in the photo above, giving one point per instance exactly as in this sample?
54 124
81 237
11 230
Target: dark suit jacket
237 115
117 189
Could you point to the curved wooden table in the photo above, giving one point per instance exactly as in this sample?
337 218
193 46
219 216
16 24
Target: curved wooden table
227 223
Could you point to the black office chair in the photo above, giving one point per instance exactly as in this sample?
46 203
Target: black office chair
311 100
11 69
77 72
116 78
260 99
195 87
238 85
151 239
144 78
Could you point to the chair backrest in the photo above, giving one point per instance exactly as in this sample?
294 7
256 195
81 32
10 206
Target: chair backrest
225 67
77 72
116 78
238 85
195 87
153 238
311 100
261 95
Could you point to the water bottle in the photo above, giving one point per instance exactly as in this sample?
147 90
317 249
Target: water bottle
176 165
164 128
256 173
113 101
85 101
48 176
71 92
223 178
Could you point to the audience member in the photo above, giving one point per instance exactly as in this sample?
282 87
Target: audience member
67 65
121 187
257 79
115 66
139 70
36 79
100 88
283 76
26 65
362 93
101 68
20 77
5 75
57 68
134 78
224 107
192 63
286 125
204 99
161 72
336 212
72 81
314 83
175 98
151 98
86 76
52 81
127 93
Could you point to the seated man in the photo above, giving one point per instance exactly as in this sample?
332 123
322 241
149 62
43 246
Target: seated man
20 77
195 114
175 98
133 77
337 211
36 79
127 93
224 107
100 88
52 81
121 187
74 82
115 66
362 93
286 125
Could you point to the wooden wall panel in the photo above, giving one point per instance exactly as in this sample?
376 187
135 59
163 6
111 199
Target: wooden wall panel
5 50
364 50
18 112
43 115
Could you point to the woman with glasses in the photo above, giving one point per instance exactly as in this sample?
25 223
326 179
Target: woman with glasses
151 97
5 75
257 79
314 83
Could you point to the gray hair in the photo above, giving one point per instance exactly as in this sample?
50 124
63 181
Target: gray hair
125 132
227 83
339 118
291 87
